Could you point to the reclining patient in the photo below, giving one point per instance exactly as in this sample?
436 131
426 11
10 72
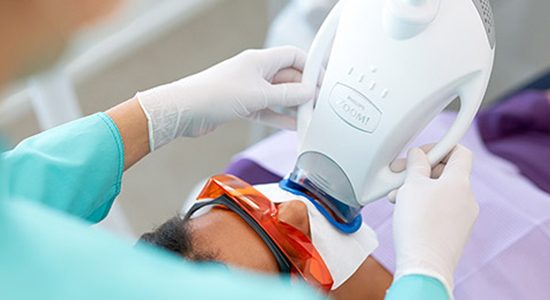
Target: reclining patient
222 233
506 258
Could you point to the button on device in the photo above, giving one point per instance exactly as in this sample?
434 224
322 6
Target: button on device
354 108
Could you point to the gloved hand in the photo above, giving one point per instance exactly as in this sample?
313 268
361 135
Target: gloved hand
245 86
433 217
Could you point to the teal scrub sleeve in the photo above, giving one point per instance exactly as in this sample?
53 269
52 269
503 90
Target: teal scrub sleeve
45 254
75 168
417 287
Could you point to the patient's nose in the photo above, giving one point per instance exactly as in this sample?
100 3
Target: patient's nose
295 213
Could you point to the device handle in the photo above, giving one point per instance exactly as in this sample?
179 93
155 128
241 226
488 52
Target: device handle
471 94
318 55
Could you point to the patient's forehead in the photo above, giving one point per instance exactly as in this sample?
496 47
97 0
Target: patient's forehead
231 240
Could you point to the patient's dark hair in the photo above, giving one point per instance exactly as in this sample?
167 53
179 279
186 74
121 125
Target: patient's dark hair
175 236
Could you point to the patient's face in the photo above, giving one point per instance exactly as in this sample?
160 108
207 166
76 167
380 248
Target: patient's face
224 235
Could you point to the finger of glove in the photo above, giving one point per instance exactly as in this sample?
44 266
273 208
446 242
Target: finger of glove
400 164
459 163
288 75
437 171
289 94
276 59
270 118
417 164
427 148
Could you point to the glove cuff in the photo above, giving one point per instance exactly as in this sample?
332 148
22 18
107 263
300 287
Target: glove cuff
149 124
162 116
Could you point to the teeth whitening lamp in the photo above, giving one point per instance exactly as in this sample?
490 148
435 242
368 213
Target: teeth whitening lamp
391 67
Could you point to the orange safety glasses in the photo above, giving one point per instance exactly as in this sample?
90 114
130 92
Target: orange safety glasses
293 250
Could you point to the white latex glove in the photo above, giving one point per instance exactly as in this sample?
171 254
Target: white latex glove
245 86
433 217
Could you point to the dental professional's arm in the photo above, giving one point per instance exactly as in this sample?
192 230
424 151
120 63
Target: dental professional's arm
433 218
77 167
245 86
132 126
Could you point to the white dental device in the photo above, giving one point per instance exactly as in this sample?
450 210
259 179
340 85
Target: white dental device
392 66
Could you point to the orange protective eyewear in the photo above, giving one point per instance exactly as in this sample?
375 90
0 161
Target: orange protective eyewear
293 250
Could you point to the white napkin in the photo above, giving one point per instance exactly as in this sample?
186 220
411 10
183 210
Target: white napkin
342 253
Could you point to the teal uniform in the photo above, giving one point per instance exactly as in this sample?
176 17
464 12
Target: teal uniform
417 287
55 184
